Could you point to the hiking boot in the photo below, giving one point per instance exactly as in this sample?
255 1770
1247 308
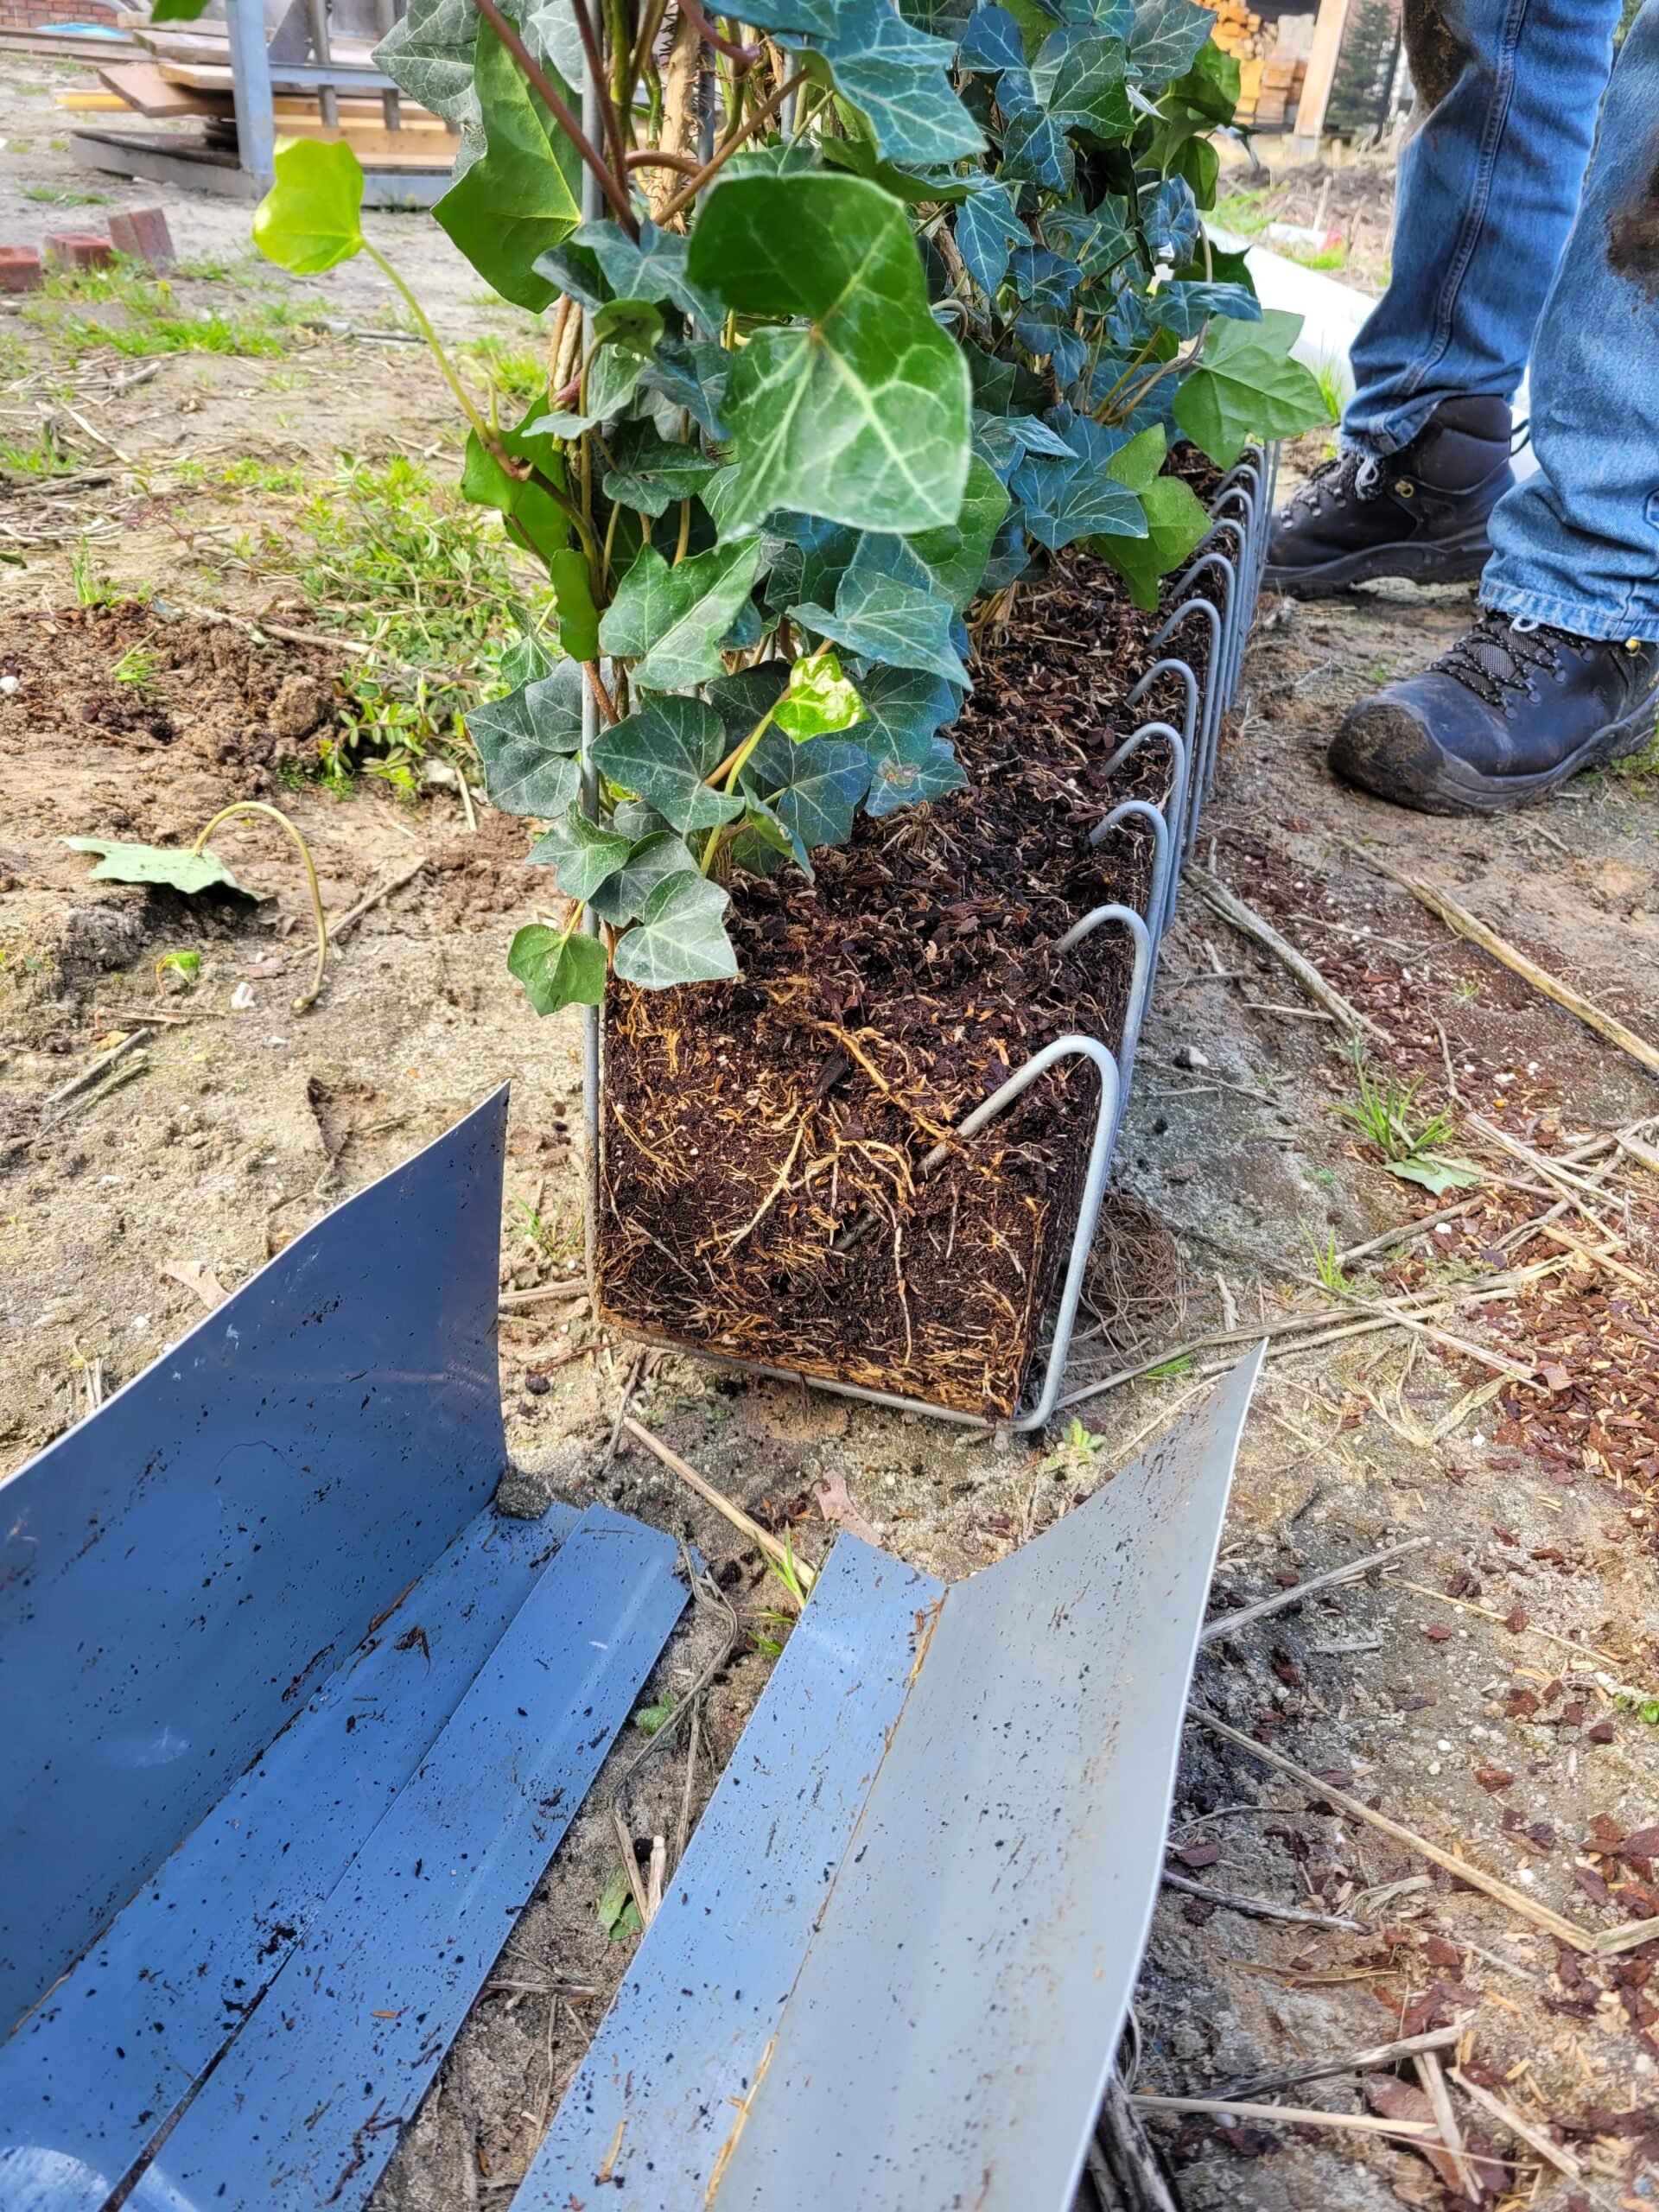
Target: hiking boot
1512 710
1420 512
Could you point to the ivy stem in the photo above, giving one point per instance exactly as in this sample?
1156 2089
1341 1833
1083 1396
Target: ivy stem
684 539
596 70
723 152
733 763
431 338
747 55
596 685
548 92
275 814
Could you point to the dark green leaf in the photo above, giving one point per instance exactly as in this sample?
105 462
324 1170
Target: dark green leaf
661 752
813 789
1035 150
652 269
653 860
176 11
573 595
861 414
1115 17
1098 239
308 220
886 620
679 937
955 557
906 708
557 971
898 783
1068 500
651 475
991 42
1079 79
1245 385
177 867
1166 39
582 853
1170 216
859 156
691 375
741 700
987 225
527 742
895 74
670 620
524 195
1185 308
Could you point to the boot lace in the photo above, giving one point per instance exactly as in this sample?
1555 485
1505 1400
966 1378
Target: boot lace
1349 476
1501 656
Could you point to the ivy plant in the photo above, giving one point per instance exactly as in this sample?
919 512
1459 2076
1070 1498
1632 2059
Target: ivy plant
884 307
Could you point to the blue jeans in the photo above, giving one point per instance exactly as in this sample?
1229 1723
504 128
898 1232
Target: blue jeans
1523 228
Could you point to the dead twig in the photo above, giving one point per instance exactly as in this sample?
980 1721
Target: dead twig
1228 1624
1288 2115
1245 919
1427 2067
1522 2130
782 1555
353 915
1130 2159
510 1299
1467 1605
1457 917
1262 1909
1356 2061
92 1069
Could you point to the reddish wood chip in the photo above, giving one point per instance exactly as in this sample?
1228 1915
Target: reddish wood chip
1516 1620
1287 1577
1493 1777
1601 1734
1642 1843
1194 1855
1572 1713
1522 1706
1437 1634
1592 1886
1556 1377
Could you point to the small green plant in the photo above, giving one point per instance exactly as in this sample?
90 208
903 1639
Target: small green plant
139 666
618 1914
133 313
186 965
57 195
44 457
649 1719
93 587
1077 1448
1381 1112
516 369
1181 1364
1326 1264
557 1236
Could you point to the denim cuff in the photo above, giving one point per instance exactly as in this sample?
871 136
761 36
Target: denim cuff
1582 618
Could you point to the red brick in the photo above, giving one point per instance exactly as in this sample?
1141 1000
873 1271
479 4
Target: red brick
20 269
143 235
79 249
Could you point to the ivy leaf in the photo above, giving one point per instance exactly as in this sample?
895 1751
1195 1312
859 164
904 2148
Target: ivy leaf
180 869
1176 522
1044 278
651 475
893 72
741 701
1036 151
898 783
533 516
309 220
1079 77
653 270
528 741
818 699
813 789
1170 216
886 620
573 598
991 42
1068 500
809 557
615 1907
955 557
670 620
557 971
1245 384
904 708
524 194
987 225
860 157
679 937
692 376
653 860
1185 308
428 54
1138 463
1096 238
584 855
861 413
1164 40
1115 17
662 753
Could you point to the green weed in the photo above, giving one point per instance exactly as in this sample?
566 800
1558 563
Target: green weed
1383 1112
139 667
246 474
555 1234
51 195
518 370
148 318
41 459
1181 1364
1325 1262
95 587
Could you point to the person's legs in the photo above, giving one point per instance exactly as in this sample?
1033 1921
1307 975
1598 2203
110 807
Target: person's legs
1484 202
1561 672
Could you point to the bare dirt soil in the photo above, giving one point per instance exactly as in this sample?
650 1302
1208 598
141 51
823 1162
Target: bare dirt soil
1488 1694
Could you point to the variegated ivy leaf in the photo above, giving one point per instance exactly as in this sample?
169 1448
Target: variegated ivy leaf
584 855
858 411
1097 239
1173 224
649 474
885 620
987 225
662 753
745 698
953 559
893 73
991 42
670 620
680 937
653 860
1165 39
1079 77
906 708
527 742
1068 500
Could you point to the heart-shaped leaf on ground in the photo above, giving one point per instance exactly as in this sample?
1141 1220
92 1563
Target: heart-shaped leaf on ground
309 220
860 410
679 939
181 870
653 860
662 753
555 969
524 196
526 741
670 620
583 855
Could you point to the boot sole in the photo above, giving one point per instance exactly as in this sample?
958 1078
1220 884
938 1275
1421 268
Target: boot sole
1454 561
1388 753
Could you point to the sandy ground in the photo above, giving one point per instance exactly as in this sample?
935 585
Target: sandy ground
1479 1695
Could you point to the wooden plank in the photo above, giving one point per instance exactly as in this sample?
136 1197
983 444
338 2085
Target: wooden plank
142 87
1328 26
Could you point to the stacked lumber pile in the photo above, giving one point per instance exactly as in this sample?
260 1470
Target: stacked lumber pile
1269 83
186 75
1278 92
1240 33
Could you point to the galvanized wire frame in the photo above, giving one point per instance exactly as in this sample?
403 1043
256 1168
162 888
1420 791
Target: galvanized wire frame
1239 508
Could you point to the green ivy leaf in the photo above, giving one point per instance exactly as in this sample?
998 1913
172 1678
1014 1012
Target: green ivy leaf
679 937
818 701
1176 523
893 72
955 556
652 269
582 854
1079 77
813 788
905 709
1164 40
860 157
1138 463
653 860
526 742
557 971
310 219
573 597
649 474
1068 500
986 226
670 620
742 699
524 195
886 620
901 782
662 753
1245 385
532 514
182 870
860 412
